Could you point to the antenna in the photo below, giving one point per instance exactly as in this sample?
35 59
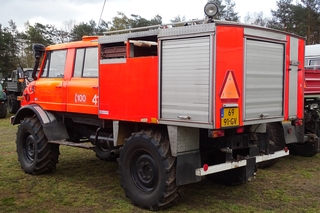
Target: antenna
101 14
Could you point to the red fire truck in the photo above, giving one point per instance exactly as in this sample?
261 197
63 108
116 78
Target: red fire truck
172 104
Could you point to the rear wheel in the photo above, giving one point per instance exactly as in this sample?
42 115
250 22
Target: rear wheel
275 133
303 149
3 110
35 154
148 170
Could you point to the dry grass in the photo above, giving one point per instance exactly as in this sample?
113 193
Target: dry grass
82 183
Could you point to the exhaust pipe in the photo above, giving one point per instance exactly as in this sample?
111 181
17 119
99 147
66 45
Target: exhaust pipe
114 154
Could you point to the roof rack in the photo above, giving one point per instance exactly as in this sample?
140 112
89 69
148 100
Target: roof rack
158 26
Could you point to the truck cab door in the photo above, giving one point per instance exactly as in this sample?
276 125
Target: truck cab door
82 89
49 87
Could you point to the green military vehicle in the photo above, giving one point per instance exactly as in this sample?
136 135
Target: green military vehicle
15 85
3 103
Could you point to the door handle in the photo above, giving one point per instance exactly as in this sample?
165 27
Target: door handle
184 117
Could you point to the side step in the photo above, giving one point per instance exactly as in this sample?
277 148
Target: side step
78 145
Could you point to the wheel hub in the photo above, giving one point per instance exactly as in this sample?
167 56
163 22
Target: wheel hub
144 172
30 148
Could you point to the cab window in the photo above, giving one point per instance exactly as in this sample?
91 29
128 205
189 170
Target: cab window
55 64
86 63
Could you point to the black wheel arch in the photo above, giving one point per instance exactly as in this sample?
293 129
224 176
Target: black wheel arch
47 119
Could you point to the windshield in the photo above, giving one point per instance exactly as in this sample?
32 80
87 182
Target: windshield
28 73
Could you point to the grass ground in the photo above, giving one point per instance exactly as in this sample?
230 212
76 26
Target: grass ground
83 183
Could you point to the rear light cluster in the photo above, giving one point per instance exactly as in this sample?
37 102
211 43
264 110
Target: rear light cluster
221 132
297 122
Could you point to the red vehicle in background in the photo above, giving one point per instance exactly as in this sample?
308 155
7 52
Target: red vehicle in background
311 98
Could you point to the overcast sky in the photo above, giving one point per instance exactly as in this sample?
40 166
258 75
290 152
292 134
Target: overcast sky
56 12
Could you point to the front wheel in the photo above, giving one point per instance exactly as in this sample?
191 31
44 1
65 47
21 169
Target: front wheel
147 170
3 110
35 154
13 104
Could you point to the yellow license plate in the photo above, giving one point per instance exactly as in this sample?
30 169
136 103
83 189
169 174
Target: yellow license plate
229 117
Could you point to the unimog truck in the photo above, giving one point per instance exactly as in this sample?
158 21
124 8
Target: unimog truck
172 104
19 79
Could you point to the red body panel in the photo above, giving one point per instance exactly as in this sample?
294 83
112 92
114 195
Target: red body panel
301 79
229 57
129 91
49 94
312 83
300 89
287 80
82 95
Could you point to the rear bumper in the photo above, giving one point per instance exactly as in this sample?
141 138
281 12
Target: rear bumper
232 165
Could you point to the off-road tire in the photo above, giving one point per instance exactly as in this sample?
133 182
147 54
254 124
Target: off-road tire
35 154
13 104
275 133
148 170
303 149
3 110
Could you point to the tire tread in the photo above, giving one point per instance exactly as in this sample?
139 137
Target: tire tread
170 193
47 154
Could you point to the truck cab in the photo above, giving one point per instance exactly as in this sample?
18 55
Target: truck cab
68 78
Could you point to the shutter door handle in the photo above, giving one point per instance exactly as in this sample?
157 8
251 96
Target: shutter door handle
184 117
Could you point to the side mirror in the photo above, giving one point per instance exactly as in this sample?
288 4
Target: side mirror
38 50
20 72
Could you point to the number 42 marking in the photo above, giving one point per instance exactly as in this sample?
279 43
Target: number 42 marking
95 99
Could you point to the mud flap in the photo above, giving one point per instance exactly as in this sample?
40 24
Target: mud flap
187 163
51 129
250 169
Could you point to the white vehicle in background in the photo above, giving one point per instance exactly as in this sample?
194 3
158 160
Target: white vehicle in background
312 56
